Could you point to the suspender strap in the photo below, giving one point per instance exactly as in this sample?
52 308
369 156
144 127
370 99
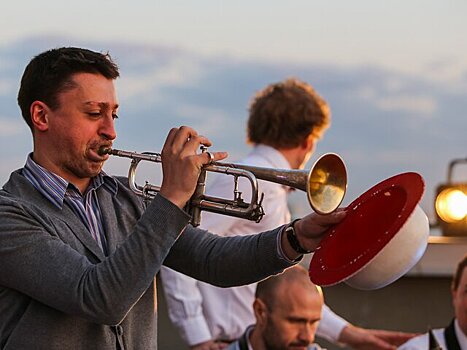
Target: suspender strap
242 341
450 337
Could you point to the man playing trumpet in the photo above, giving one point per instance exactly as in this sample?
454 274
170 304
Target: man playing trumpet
79 251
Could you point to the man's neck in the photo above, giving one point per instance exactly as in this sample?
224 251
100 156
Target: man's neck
292 156
80 183
255 340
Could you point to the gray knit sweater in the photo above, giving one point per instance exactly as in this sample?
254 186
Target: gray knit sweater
58 290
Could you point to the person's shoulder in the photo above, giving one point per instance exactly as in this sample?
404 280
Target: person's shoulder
123 187
421 342
15 185
418 342
16 191
8 200
256 159
128 201
121 180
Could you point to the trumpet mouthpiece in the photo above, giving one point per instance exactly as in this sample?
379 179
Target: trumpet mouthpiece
104 150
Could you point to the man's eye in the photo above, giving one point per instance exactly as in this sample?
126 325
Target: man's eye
114 116
94 114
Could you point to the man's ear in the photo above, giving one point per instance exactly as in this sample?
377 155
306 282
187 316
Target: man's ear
39 115
309 143
260 309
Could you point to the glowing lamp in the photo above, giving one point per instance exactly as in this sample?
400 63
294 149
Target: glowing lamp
451 205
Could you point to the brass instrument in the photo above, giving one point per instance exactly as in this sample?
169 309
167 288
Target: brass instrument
325 185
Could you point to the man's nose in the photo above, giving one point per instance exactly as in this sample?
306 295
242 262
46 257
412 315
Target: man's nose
307 334
107 128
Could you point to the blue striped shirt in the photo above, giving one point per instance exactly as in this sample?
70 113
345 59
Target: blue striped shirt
61 192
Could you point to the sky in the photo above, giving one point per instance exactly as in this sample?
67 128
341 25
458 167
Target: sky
407 35
394 73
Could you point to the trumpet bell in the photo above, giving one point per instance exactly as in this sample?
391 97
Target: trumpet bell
327 183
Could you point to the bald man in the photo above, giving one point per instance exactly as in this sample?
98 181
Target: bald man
287 309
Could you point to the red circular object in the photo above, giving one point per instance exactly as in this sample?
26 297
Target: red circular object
372 220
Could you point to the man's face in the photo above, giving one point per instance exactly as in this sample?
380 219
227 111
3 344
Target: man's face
83 122
293 320
459 300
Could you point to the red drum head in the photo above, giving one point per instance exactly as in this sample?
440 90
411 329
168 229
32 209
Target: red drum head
383 235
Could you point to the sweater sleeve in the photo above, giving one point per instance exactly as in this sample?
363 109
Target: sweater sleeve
227 261
37 261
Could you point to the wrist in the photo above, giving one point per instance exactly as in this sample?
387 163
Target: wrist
177 200
291 235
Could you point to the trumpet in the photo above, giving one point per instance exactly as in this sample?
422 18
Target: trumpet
325 185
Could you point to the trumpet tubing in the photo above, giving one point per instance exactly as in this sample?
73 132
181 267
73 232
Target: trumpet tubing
325 185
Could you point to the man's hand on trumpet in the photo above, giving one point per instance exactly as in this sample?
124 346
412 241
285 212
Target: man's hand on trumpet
309 231
181 163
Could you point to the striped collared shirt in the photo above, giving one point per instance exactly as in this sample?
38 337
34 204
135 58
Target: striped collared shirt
59 192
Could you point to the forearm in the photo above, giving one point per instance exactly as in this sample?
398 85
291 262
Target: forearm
227 261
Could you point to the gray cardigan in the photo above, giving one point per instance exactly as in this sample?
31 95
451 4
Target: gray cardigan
58 290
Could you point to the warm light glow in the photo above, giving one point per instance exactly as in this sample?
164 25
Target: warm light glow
451 205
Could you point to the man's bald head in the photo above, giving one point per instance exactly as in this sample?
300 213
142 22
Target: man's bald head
268 289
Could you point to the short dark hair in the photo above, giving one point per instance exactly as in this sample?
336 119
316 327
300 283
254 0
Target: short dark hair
458 274
285 114
50 73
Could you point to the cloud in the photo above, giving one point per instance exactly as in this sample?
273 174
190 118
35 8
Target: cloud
9 127
208 120
148 83
449 71
420 105
5 64
7 87
396 94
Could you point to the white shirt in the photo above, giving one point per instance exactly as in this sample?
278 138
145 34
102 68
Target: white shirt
422 341
203 312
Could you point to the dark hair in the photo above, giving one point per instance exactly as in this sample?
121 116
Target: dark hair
283 115
459 271
50 73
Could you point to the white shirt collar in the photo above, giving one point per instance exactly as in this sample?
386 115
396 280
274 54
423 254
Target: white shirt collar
275 157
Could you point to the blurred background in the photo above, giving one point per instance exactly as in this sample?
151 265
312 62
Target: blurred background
395 75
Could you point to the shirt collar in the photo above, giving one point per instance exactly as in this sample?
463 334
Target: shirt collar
273 156
461 337
55 188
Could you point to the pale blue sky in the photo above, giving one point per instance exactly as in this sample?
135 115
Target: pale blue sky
402 34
